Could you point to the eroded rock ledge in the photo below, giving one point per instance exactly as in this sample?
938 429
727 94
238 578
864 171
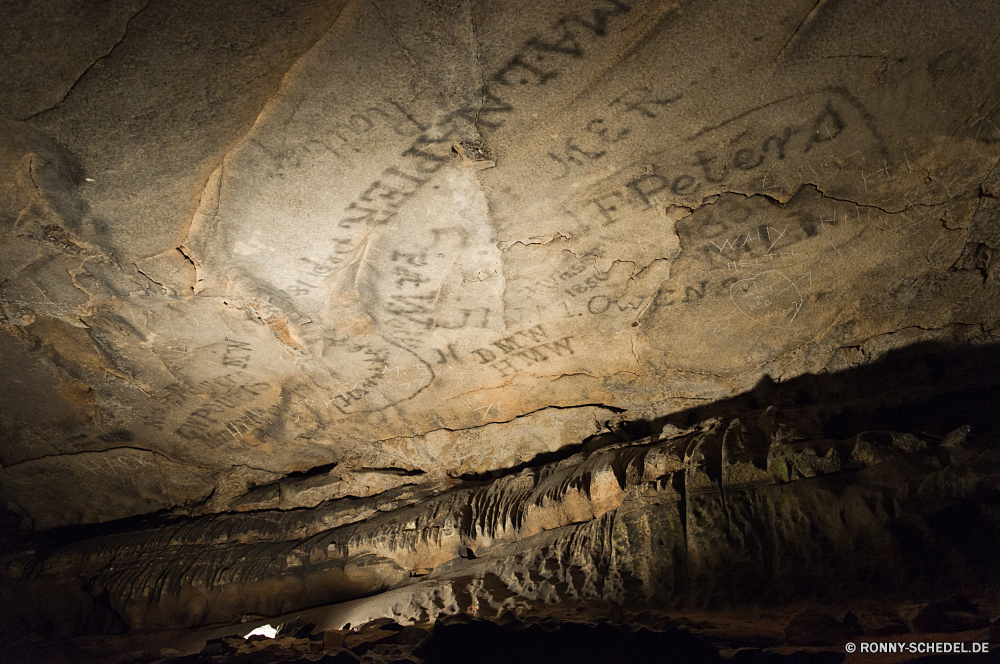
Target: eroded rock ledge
744 508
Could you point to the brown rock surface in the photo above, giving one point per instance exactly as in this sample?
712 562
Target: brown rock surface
481 307
230 251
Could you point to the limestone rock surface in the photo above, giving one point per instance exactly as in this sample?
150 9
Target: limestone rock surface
451 306
244 241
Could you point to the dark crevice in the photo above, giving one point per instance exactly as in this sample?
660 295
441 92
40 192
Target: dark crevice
400 472
613 409
803 186
586 446
92 65
536 461
185 253
810 15
112 437
45 542
139 270
315 471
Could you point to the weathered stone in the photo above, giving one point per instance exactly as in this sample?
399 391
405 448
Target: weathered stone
955 614
473 290
333 641
600 308
874 624
815 628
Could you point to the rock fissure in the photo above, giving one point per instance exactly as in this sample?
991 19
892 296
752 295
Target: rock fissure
389 311
79 78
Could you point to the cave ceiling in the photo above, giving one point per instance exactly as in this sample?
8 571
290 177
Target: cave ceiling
376 312
258 256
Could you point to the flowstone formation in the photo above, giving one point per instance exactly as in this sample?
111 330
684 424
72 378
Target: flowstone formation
686 533
306 302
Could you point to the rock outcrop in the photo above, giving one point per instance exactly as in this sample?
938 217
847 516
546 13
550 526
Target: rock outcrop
741 511
242 244
586 310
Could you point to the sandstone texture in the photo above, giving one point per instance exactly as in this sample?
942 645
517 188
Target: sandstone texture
456 307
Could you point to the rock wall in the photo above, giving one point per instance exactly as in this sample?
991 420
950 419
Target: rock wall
243 242
759 508
482 306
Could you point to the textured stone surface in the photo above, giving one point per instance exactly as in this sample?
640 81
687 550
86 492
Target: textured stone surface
475 307
716 521
722 515
242 242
